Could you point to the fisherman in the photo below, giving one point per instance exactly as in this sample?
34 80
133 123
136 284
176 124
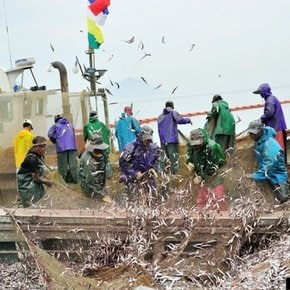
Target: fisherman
62 134
270 160
92 173
30 179
22 142
273 115
204 158
95 126
139 162
168 134
221 124
127 128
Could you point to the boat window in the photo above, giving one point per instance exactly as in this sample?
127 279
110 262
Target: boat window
27 107
6 110
39 106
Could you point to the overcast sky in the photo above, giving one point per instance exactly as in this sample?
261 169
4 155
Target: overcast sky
238 44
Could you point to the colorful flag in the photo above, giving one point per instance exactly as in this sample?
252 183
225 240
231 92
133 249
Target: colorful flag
96 14
98 6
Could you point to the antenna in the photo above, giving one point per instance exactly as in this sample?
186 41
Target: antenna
7 31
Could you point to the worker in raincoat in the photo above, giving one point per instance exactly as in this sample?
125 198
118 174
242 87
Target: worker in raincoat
273 115
126 129
139 162
221 124
270 160
204 158
30 179
92 172
62 134
95 126
168 134
22 142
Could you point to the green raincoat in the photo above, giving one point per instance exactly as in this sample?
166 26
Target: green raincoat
92 174
207 158
29 190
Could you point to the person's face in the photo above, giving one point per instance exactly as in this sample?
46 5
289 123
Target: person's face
255 137
97 153
146 143
40 150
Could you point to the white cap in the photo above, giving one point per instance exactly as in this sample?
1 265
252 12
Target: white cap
27 121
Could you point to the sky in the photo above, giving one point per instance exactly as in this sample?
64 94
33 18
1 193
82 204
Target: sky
237 46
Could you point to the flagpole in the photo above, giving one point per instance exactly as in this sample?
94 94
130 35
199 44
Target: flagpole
91 54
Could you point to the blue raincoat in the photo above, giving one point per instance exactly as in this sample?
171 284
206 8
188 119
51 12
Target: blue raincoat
270 159
126 130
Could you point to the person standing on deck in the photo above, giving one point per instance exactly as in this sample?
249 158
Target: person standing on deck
22 142
273 115
221 124
168 134
126 129
62 134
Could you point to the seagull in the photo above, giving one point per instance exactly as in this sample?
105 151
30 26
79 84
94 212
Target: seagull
158 87
52 48
173 91
145 54
131 40
108 91
141 45
110 58
163 39
144 80
112 84
192 47
118 86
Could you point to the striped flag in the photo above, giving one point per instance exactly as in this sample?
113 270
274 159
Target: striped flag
96 15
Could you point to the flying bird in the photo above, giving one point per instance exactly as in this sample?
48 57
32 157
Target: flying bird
145 54
163 39
110 58
108 91
141 45
158 87
112 84
192 47
131 40
173 91
118 86
144 80
52 48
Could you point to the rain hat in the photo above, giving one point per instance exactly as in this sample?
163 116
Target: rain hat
255 127
196 137
96 143
146 133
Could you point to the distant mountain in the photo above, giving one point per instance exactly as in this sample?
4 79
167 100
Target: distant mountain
132 89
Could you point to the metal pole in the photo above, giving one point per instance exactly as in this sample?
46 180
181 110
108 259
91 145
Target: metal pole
93 76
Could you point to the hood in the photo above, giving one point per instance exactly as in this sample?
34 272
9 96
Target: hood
93 120
123 116
264 90
62 121
268 132
23 133
167 110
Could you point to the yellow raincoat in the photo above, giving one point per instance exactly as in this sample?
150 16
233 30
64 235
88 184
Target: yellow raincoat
22 143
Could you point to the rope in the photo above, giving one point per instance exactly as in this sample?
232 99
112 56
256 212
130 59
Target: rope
200 113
